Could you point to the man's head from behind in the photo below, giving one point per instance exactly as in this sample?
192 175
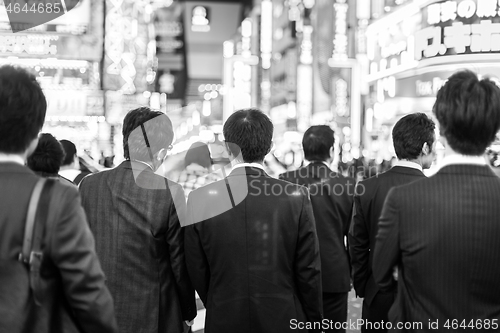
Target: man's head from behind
318 143
70 151
414 137
47 157
147 136
198 153
249 132
468 111
22 110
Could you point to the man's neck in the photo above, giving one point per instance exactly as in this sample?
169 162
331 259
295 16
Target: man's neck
15 158
416 161
67 167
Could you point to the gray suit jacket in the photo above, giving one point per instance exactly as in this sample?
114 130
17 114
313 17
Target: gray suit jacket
71 277
141 246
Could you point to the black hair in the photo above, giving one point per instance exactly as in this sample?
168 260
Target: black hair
140 142
250 132
22 109
70 150
317 142
410 133
48 155
198 153
468 111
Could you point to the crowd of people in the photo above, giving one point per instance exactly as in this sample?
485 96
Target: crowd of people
126 249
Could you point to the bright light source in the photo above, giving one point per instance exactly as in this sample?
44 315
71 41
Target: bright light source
207 108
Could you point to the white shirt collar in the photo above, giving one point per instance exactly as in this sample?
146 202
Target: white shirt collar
11 158
252 165
320 162
462 159
408 164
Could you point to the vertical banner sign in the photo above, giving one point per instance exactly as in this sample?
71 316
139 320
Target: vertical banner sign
171 78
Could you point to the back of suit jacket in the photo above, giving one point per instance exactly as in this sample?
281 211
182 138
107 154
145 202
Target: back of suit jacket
332 198
71 279
140 243
256 266
368 204
444 233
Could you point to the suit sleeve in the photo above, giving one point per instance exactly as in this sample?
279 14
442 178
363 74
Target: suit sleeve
73 252
197 262
308 264
175 239
387 253
359 248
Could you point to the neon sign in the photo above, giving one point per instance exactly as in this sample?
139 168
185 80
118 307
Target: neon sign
396 43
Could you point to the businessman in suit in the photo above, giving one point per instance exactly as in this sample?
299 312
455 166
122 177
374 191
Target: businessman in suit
75 297
331 198
317 143
251 243
136 217
414 143
442 232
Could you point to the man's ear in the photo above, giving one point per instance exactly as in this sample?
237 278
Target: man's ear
426 150
332 151
160 156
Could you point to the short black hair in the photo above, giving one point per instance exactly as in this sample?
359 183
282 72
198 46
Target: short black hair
468 112
48 155
250 132
317 142
198 153
410 133
159 133
70 150
22 109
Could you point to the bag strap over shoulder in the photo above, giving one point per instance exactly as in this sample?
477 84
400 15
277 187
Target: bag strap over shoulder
24 256
38 211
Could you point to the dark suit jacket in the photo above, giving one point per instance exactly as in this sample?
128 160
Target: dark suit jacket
331 198
444 233
256 266
141 246
71 274
368 202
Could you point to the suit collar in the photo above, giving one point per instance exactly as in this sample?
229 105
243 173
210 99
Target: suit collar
406 170
408 164
135 165
247 170
12 167
319 169
467 169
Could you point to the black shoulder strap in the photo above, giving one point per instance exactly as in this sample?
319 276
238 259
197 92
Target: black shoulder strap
32 246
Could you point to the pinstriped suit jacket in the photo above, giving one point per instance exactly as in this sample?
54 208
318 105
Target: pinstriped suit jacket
444 234
140 243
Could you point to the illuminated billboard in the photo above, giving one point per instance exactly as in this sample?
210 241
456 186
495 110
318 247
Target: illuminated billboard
432 34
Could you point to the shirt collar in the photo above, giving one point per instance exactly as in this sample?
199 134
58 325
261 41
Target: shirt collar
320 162
462 159
408 164
11 158
251 165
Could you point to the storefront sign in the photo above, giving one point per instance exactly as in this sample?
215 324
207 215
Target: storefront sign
448 28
